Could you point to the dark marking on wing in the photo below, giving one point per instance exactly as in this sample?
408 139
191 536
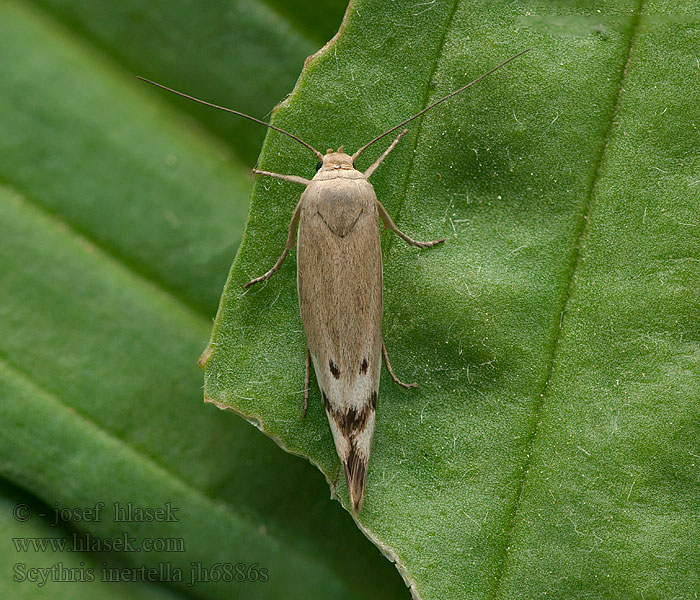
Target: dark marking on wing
363 366
352 421
334 368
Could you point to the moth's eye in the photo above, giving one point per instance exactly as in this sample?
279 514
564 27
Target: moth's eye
319 165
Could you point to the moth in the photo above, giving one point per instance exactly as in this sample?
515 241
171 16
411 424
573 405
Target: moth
339 282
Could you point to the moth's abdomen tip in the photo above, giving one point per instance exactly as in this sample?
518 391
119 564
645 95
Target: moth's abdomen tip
356 498
357 505
355 475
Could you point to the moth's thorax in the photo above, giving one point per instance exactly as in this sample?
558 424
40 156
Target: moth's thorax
339 197
337 164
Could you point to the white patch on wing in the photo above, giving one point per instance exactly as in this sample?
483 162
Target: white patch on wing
349 401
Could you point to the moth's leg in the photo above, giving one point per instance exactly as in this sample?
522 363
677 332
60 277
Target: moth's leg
306 382
391 371
290 178
290 244
378 162
389 224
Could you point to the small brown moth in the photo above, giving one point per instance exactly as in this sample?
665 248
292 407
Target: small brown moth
339 281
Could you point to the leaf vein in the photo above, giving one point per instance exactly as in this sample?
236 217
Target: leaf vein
577 251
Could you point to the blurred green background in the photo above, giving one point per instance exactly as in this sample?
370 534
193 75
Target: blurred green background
122 208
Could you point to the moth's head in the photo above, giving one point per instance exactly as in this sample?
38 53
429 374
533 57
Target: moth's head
335 160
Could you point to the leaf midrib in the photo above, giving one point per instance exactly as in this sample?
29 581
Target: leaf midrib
419 127
291 24
213 503
82 35
580 233
154 287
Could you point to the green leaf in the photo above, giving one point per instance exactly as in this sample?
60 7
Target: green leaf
63 574
120 217
552 448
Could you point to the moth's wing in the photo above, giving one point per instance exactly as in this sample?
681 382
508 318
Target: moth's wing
339 277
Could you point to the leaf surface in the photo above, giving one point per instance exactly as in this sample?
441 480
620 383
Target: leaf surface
551 450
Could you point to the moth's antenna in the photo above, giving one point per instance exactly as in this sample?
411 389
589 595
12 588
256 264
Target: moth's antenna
235 112
379 137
